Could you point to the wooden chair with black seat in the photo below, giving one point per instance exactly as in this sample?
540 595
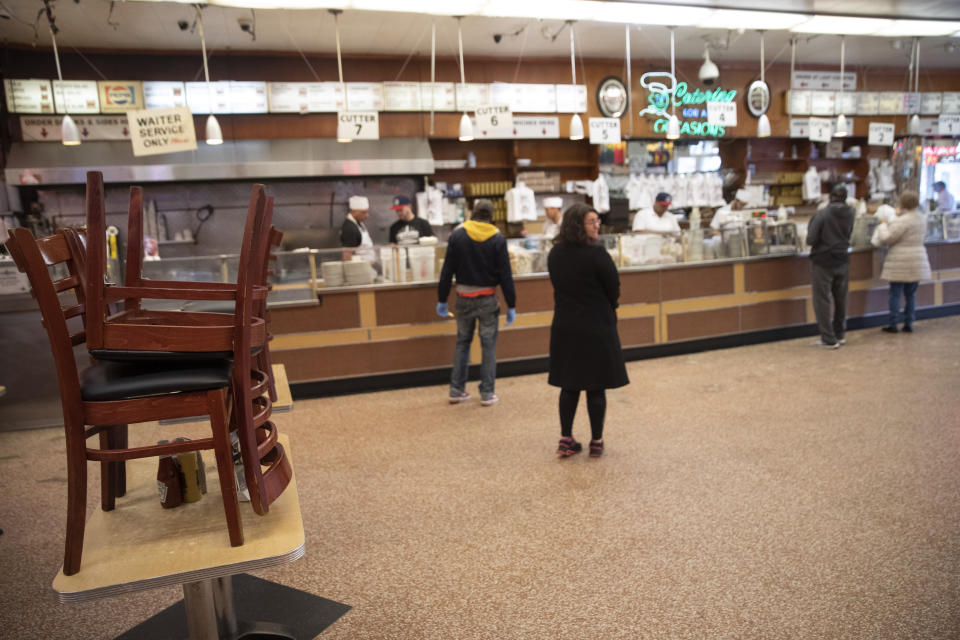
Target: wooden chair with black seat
107 396
141 333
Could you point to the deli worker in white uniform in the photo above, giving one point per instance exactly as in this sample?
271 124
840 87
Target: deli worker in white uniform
553 210
354 237
732 215
657 220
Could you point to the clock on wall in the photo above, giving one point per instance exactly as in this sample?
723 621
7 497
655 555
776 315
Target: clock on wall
612 97
758 98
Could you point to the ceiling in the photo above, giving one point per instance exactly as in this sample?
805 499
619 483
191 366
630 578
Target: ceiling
104 25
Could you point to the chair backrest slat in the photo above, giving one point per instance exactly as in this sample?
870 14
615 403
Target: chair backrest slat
96 260
134 271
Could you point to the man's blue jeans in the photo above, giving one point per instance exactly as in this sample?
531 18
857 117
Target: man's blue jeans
909 291
484 310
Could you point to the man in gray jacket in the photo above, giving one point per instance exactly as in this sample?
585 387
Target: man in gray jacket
829 238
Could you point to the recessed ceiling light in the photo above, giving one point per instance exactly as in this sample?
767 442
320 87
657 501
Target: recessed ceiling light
842 25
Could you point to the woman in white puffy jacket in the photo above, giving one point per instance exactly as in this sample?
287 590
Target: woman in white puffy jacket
906 263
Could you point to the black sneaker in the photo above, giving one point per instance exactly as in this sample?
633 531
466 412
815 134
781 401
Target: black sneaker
907 329
568 447
892 330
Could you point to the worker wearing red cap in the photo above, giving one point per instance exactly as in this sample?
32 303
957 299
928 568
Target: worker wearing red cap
657 220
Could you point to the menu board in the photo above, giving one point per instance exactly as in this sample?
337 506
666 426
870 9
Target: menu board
288 97
29 96
846 103
537 127
951 102
506 93
76 96
798 102
364 96
868 103
929 126
444 96
164 95
823 80
931 102
120 96
212 97
248 96
799 127
890 103
401 96
911 103
326 97
571 98
536 98
822 103
472 95
95 127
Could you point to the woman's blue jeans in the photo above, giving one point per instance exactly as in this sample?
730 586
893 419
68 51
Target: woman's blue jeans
909 291
485 311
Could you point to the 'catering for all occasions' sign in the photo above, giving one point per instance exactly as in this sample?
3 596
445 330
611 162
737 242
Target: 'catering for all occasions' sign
156 131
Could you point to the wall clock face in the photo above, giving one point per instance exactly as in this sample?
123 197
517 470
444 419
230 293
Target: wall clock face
758 98
612 97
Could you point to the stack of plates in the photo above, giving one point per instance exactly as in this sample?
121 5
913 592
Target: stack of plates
332 273
358 272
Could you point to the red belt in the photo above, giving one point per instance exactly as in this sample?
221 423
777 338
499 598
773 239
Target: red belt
477 293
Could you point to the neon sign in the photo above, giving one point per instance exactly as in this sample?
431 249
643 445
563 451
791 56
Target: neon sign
667 93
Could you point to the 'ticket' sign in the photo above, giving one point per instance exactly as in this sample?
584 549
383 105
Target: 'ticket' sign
156 131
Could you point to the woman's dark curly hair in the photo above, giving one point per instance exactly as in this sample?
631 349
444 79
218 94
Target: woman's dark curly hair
572 229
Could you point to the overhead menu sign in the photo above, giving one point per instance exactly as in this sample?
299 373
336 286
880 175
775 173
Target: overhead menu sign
536 127
911 103
494 121
890 103
604 130
929 126
868 103
401 96
438 96
212 97
799 102
471 96
120 96
164 94
571 98
822 103
287 97
358 125
29 96
525 98
248 97
156 131
931 103
47 128
799 127
824 80
845 103
950 102
364 96
880 134
76 96
326 97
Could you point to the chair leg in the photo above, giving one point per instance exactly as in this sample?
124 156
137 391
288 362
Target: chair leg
221 449
108 474
76 500
121 442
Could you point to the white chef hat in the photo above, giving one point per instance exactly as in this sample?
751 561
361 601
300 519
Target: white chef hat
359 203
743 196
553 203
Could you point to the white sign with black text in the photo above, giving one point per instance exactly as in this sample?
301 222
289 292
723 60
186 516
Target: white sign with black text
881 134
799 127
604 130
949 125
358 125
722 114
495 120
821 129
156 131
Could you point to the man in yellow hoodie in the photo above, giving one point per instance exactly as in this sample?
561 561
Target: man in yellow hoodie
477 256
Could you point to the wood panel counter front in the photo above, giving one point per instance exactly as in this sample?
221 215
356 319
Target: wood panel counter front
370 331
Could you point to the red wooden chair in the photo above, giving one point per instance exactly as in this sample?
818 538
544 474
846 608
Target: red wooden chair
107 396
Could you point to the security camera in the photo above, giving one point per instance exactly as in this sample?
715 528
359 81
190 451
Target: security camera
183 24
497 37
709 73
245 25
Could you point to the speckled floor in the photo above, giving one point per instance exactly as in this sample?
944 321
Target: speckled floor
773 491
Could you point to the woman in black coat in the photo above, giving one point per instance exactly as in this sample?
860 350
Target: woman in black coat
585 349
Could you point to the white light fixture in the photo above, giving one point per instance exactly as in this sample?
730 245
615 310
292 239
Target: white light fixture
842 131
760 20
69 133
343 87
466 125
673 125
842 25
917 28
212 130
576 124
763 123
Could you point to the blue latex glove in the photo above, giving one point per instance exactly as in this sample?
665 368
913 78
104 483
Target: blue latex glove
443 310
511 315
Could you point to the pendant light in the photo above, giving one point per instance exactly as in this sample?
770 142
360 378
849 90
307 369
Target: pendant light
841 131
673 125
343 88
576 124
763 123
212 129
69 133
466 125
913 126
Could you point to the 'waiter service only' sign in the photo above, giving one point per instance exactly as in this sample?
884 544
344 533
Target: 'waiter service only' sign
155 131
